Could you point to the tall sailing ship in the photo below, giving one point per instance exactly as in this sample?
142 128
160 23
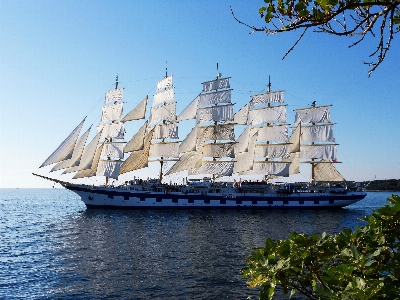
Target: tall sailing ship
216 169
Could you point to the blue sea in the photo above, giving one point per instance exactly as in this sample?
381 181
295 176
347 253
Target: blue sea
52 247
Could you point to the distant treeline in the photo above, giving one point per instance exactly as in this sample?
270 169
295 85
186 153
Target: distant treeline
383 185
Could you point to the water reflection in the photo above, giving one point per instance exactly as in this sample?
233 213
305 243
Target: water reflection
175 253
52 247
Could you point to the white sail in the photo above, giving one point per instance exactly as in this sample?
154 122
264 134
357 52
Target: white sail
93 169
320 133
137 141
109 168
241 116
295 163
318 152
215 98
273 114
87 156
112 131
138 113
163 131
220 168
273 133
76 155
218 150
170 150
164 83
220 132
294 140
271 150
187 161
242 143
166 96
319 114
114 95
165 112
271 168
138 159
64 151
269 97
245 160
326 171
218 84
114 149
189 143
111 112
190 111
215 113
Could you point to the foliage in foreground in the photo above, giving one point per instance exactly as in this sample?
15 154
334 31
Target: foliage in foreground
359 264
351 18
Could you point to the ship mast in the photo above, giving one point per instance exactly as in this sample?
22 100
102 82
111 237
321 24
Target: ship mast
164 143
116 88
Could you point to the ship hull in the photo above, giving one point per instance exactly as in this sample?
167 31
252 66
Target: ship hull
104 197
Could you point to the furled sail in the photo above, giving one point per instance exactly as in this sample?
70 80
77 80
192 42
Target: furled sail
66 148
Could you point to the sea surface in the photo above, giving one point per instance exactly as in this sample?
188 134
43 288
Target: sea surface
52 247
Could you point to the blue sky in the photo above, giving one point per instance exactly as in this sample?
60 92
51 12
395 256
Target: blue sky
57 58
